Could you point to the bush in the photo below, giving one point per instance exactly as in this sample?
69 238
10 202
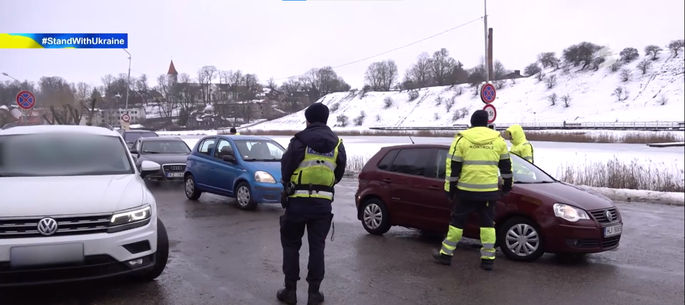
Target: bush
629 54
436 116
548 59
551 81
598 61
450 103
458 91
459 114
359 121
615 66
335 107
675 46
625 75
438 101
342 120
653 50
532 69
620 93
355 164
552 98
387 102
644 66
540 76
378 118
499 84
413 95
567 100
663 100
581 54
636 175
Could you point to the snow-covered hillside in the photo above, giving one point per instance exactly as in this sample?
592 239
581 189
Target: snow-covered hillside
654 96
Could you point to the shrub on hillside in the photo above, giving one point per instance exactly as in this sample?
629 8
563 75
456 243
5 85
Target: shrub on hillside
499 84
335 107
450 103
629 54
675 46
476 91
548 60
597 62
581 54
625 75
551 81
552 98
567 100
636 175
663 100
413 95
513 81
387 102
615 66
644 66
438 101
364 91
459 114
342 120
540 76
359 121
621 94
653 51
378 118
532 69
458 91
436 116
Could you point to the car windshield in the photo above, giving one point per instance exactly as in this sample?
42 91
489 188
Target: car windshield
131 137
165 147
525 172
259 150
58 154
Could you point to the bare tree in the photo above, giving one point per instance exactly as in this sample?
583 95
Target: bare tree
625 75
442 66
615 66
499 70
532 69
629 54
676 45
620 93
551 81
581 54
381 75
420 73
644 66
82 92
653 50
540 76
552 98
567 100
205 76
548 60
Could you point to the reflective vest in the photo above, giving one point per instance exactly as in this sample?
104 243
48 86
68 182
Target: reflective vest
520 145
479 150
315 176
237 134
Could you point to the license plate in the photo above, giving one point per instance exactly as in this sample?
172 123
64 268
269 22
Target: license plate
174 175
613 231
46 255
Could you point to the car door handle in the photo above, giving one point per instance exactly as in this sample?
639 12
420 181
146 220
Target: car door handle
433 187
387 180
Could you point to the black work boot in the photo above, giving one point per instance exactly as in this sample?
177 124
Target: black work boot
442 258
315 296
487 264
288 294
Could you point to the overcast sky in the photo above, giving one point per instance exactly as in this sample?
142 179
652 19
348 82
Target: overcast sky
278 39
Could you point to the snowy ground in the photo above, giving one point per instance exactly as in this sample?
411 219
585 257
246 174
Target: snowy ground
592 93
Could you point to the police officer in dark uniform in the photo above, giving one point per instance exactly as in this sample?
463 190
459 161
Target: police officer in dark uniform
311 166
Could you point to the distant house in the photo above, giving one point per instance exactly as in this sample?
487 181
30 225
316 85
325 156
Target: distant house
513 75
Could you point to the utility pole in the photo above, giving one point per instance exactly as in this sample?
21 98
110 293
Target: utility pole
128 80
485 22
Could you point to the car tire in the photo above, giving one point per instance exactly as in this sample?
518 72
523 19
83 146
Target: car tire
190 187
243 197
375 217
161 255
514 247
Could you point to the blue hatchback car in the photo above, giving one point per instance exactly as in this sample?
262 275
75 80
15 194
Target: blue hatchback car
247 168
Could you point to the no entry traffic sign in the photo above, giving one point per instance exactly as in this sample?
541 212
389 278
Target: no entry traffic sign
26 100
488 93
125 117
492 113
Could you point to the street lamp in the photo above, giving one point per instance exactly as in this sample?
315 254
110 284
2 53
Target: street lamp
128 79
21 85
118 97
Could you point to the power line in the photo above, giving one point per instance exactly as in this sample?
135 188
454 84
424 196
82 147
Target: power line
395 49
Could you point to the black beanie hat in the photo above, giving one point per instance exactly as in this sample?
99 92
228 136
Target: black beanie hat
317 113
479 118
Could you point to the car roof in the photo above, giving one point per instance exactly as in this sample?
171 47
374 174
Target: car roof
139 130
247 138
155 139
417 146
41 129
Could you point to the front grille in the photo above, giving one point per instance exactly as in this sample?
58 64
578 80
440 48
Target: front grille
610 242
174 168
601 215
67 225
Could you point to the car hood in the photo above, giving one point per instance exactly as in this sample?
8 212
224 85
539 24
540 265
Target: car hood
273 168
53 196
567 193
164 158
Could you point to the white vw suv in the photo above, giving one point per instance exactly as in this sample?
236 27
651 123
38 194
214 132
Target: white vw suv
74 207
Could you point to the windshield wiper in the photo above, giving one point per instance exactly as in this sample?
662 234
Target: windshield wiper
152 152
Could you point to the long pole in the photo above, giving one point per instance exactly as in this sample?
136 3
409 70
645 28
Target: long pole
21 84
128 80
485 23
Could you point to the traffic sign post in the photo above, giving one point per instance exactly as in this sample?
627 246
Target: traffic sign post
492 113
488 93
26 100
125 117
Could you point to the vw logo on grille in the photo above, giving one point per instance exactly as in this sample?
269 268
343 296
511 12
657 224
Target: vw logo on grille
610 217
47 226
176 168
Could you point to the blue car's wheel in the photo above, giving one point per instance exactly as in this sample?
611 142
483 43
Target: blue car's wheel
191 188
244 198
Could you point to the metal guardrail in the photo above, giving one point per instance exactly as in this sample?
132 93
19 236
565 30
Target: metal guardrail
652 126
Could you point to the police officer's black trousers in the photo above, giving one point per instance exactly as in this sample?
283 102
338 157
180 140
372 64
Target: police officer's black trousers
292 231
464 208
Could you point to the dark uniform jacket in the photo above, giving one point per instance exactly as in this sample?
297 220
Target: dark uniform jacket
320 138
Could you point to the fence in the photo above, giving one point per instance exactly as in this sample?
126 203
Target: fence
650 126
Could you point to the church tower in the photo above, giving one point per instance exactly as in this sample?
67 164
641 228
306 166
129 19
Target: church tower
172 74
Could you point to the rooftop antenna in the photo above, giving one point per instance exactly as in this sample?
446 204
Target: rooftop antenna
412 140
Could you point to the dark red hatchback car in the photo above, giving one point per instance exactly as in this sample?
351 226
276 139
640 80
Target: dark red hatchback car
403 186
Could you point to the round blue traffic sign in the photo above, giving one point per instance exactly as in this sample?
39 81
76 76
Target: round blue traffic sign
488 93
26 100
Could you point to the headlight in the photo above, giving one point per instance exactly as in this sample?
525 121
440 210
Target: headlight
264 177
130 219
569 213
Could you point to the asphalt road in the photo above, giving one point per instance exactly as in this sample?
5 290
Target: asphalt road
222 255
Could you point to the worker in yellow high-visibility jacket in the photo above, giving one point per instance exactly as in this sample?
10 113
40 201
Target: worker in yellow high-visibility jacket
519 144
471 182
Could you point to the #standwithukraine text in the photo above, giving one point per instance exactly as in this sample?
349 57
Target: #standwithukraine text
92 41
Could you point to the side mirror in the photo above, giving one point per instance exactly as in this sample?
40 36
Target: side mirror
229 158
149 167
383 166
133 151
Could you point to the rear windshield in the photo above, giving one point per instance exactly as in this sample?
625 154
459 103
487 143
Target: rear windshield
165 147
133 136
62 154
